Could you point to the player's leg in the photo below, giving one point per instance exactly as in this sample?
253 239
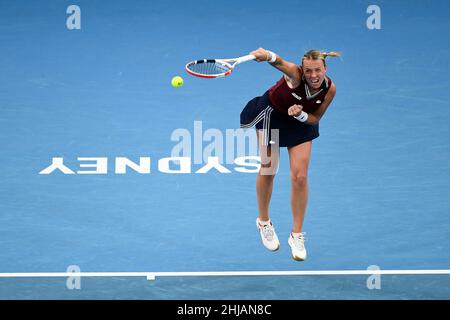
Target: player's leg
266 175
299 157
264 186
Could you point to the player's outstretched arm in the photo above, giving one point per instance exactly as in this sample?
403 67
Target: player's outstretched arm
291 70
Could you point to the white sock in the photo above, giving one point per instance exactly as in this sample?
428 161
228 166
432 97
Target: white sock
263 223
296 235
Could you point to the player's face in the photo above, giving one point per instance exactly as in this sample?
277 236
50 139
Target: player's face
314 72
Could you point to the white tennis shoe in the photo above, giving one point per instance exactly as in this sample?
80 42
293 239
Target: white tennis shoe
297 245
268 235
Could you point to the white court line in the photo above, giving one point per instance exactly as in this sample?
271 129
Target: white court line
153 275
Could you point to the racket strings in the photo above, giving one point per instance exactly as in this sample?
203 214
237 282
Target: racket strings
209 68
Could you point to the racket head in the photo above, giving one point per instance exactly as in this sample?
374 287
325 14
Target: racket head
209 68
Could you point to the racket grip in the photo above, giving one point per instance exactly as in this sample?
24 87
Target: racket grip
246 58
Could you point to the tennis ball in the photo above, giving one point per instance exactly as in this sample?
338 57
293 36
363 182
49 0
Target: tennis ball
177 81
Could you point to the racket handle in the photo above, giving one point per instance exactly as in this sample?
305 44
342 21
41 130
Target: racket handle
246 58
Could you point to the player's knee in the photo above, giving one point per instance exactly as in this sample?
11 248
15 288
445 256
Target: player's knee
299 179
267 162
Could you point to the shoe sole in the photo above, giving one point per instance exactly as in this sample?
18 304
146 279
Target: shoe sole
273 249
297 258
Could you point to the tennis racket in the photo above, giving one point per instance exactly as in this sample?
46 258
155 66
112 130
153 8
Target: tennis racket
215 68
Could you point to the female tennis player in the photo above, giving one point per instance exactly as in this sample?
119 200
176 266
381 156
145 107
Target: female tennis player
288 115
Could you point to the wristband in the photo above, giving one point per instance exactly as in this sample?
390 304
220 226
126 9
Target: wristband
302 117
273 56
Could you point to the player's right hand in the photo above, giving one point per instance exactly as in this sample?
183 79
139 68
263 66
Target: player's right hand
261 54
295 110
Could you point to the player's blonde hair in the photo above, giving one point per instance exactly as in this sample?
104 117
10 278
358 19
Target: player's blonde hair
319 55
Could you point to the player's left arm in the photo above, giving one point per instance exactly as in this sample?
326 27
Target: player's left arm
314 117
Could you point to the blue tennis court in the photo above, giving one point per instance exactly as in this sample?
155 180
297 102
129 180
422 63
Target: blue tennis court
98 99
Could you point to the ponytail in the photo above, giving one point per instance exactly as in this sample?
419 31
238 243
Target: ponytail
331 54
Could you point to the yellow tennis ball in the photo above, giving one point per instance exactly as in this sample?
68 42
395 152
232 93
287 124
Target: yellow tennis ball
177 81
